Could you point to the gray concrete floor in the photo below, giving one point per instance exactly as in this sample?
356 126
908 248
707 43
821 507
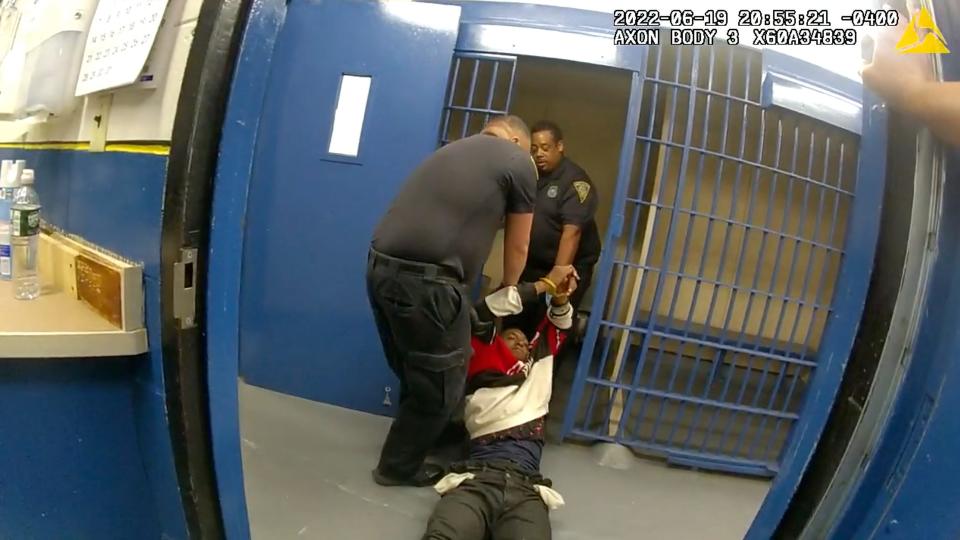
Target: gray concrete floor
307 476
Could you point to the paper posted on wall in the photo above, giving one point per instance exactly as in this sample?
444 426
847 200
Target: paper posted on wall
118 43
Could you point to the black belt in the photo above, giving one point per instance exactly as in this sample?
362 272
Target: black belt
500 466
427 270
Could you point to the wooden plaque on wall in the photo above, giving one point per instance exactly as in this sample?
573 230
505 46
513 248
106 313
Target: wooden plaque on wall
98 286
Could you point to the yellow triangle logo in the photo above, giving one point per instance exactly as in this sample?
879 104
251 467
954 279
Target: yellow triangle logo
933 42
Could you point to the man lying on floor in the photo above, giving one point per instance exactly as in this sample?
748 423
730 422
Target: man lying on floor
498 492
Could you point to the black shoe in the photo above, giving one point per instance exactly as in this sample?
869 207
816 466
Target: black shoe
428 475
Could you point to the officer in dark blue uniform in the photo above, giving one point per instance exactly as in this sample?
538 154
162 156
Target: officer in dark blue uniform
564 229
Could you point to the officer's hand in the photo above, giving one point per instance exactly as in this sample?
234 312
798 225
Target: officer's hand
567 287
895 76
564 290
559 274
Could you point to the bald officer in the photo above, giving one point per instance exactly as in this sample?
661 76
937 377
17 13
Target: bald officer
431 244
564 229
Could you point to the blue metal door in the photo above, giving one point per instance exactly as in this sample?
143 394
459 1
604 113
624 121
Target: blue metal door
717 280
306 326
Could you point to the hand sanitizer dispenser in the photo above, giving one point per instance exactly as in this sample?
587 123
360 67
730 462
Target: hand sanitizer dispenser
53 34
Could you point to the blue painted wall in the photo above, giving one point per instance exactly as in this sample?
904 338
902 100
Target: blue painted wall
70 454
117 407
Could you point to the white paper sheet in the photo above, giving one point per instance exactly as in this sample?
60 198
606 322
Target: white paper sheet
118 43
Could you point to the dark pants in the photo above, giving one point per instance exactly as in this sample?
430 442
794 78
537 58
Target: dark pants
424 324
497 504
533 313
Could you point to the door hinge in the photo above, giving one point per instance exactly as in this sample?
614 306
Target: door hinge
184 288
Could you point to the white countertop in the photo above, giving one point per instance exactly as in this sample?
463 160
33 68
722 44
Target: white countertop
57 325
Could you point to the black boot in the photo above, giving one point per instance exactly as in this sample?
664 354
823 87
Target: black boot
428 475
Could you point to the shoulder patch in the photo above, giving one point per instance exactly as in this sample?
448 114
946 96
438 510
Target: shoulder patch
583 189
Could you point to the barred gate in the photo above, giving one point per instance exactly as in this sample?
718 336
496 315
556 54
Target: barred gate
480 87
714 295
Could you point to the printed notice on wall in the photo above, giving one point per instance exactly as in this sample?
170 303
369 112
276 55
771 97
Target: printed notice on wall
118 43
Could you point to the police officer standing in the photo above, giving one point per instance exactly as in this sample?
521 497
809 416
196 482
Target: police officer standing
564 230
427 250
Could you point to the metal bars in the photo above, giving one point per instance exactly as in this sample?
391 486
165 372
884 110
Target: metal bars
722 279
481 87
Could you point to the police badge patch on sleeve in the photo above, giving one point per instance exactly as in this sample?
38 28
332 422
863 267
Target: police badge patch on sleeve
583 189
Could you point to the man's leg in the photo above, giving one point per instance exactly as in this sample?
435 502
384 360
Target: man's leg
525 516
390 350
464 513
424 413
453 443
434 341
383 327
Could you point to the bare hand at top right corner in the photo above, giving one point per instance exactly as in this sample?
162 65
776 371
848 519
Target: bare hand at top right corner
893 75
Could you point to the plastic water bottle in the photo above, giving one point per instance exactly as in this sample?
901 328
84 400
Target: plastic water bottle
6 199
25 238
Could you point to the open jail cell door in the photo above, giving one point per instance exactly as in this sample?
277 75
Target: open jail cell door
718 286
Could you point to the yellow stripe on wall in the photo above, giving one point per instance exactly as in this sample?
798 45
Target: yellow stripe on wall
155 149
130 148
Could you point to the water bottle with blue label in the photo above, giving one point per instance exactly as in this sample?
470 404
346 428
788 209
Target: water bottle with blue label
25 239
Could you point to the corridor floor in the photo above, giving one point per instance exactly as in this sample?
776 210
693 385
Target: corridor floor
307 476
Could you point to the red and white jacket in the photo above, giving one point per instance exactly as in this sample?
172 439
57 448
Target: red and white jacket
502 392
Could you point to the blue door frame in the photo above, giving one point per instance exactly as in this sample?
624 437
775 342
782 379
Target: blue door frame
228 215
480 22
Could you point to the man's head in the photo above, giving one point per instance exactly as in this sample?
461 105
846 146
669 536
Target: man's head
546 145
517 343
511 128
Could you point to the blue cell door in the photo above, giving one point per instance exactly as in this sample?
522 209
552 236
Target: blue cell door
349 111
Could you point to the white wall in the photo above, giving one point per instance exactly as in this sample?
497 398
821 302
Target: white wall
134 114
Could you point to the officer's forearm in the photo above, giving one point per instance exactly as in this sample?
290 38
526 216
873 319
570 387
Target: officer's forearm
514 259
938 106
569 243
